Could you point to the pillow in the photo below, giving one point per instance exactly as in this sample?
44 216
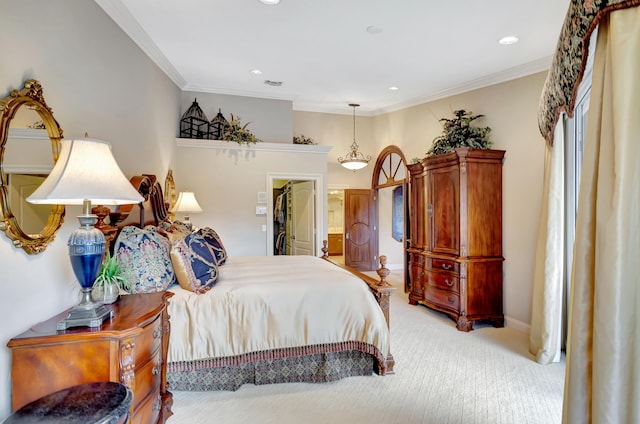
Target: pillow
174 230
215 242
194 263
144 257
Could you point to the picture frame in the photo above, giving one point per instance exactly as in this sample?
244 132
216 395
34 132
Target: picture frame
397 216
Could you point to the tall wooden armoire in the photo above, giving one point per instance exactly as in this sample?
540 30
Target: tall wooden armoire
455 248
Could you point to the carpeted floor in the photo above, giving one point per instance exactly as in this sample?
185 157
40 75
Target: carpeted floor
443 376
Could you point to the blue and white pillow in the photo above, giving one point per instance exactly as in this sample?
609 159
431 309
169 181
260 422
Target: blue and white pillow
144 258
195 264
215 242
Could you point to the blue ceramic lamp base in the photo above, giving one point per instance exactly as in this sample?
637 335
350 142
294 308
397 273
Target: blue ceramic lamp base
86 250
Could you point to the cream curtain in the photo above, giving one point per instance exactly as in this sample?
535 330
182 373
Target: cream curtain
603 355
546 316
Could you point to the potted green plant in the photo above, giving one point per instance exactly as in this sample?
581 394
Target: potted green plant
233 131
303 140
458 132
109 281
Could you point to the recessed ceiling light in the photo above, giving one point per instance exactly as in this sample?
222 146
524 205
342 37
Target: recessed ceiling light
372 29
270 2
393 88
510 39
256 72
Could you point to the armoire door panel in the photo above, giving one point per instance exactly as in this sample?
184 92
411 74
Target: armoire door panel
444 210
485 210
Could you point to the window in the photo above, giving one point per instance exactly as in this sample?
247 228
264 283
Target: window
575 132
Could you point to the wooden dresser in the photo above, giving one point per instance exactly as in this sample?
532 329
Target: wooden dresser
455 249
131 348
335 244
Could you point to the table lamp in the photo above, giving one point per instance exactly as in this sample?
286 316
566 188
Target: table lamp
86 171
186 204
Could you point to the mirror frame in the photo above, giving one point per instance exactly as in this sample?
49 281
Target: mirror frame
29 96
170 194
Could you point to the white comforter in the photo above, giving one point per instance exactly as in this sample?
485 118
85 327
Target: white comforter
270 302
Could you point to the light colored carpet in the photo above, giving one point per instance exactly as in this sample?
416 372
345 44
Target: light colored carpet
443 376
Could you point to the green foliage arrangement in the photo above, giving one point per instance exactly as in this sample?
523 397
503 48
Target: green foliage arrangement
303 140
234 131
458 132
111 273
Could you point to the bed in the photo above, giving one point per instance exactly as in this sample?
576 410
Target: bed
315 322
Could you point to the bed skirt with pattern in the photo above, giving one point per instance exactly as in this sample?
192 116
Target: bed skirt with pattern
308 364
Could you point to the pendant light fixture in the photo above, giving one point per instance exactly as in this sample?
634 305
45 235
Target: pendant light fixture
354 160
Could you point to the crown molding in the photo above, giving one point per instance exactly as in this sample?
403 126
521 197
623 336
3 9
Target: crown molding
119 13
530 68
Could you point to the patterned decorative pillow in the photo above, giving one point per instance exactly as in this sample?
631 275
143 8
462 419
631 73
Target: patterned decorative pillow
195 263
216 244
174 230
145 260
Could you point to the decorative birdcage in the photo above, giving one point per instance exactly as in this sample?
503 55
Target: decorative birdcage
194 123
217 126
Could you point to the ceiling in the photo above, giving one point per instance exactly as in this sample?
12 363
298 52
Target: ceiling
329 53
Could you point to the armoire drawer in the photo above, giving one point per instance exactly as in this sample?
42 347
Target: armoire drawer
444 265
443 298
443 281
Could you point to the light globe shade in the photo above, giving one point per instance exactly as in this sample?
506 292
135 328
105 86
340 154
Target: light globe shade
186 203
354 164
85 170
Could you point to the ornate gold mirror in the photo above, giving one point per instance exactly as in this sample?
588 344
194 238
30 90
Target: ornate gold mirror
170 194
29 147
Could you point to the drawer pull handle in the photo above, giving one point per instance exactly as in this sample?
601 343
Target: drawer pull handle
155 371
157 333
451 299
445 266
450 284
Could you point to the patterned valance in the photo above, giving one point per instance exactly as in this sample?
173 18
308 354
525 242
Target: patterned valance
567 69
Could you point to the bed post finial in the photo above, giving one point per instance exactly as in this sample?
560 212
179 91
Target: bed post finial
325 249
383 272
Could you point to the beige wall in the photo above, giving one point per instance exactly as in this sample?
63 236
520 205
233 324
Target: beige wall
510 109
226 182
269 120
98 81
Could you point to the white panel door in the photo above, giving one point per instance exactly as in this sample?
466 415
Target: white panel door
303 212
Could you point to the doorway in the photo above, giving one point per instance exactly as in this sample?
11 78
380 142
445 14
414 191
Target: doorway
335 217
388 201
295 214
390 183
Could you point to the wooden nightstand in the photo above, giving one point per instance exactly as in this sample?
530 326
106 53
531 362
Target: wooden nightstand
131 349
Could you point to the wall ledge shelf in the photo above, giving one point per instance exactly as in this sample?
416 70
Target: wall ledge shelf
262 146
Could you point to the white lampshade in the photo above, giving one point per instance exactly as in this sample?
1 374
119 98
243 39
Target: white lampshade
86 170
186 203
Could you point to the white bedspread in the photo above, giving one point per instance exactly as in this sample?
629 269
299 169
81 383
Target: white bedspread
270 302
